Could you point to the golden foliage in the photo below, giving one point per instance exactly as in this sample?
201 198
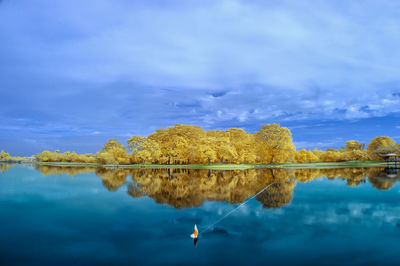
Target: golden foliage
275 144
187 144
244 144
378 152
115 156
183 188
359 155
112 178
48 170
303 156
341 155
376 143
5 167
48 156
330 155
177 144
144 150
380 181
113 153
353 145
4 155
112 144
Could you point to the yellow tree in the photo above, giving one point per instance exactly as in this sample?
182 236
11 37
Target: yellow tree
222 145
175 142
303 156
352 145
112 144
74 157
379 151
144 150
161 137
377 142
332 155
136 143
112 179
203 152
244 144
105 157
275 144
356 155
186 136
45 156
113 153
4 155
87 158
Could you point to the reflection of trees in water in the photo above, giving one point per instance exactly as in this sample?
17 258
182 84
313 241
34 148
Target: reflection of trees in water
183 188
5 167
135 190
381 179
112 179
277 195
59 170
353 176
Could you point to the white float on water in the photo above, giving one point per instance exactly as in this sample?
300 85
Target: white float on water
195 233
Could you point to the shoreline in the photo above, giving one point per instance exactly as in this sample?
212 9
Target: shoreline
313 165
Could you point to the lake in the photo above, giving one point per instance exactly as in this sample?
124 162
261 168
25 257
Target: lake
79 216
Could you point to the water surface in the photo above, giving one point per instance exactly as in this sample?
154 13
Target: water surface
64 216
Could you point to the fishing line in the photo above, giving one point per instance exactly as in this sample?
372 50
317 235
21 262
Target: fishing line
240 205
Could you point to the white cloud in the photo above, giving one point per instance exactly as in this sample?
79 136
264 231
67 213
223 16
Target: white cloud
135 66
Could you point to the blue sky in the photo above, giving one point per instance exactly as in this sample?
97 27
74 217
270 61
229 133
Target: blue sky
74 74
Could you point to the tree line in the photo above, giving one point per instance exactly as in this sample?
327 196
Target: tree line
187 144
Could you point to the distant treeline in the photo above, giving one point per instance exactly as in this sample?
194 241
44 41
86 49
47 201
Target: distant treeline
186 144
4 156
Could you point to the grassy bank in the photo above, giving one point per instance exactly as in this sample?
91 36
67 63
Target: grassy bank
156 166
321 165
314 165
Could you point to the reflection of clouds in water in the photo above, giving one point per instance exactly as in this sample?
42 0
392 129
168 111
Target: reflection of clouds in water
209 205
387 214
94 190
242 210
378 213
327 216
222 210
358 209
369 214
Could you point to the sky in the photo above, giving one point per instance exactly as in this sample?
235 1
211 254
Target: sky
74 74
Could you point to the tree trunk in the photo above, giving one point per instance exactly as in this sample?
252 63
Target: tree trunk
272 173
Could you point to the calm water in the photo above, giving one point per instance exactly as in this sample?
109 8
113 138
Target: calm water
64 216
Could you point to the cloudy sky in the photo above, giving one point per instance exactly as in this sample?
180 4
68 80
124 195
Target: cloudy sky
74 74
